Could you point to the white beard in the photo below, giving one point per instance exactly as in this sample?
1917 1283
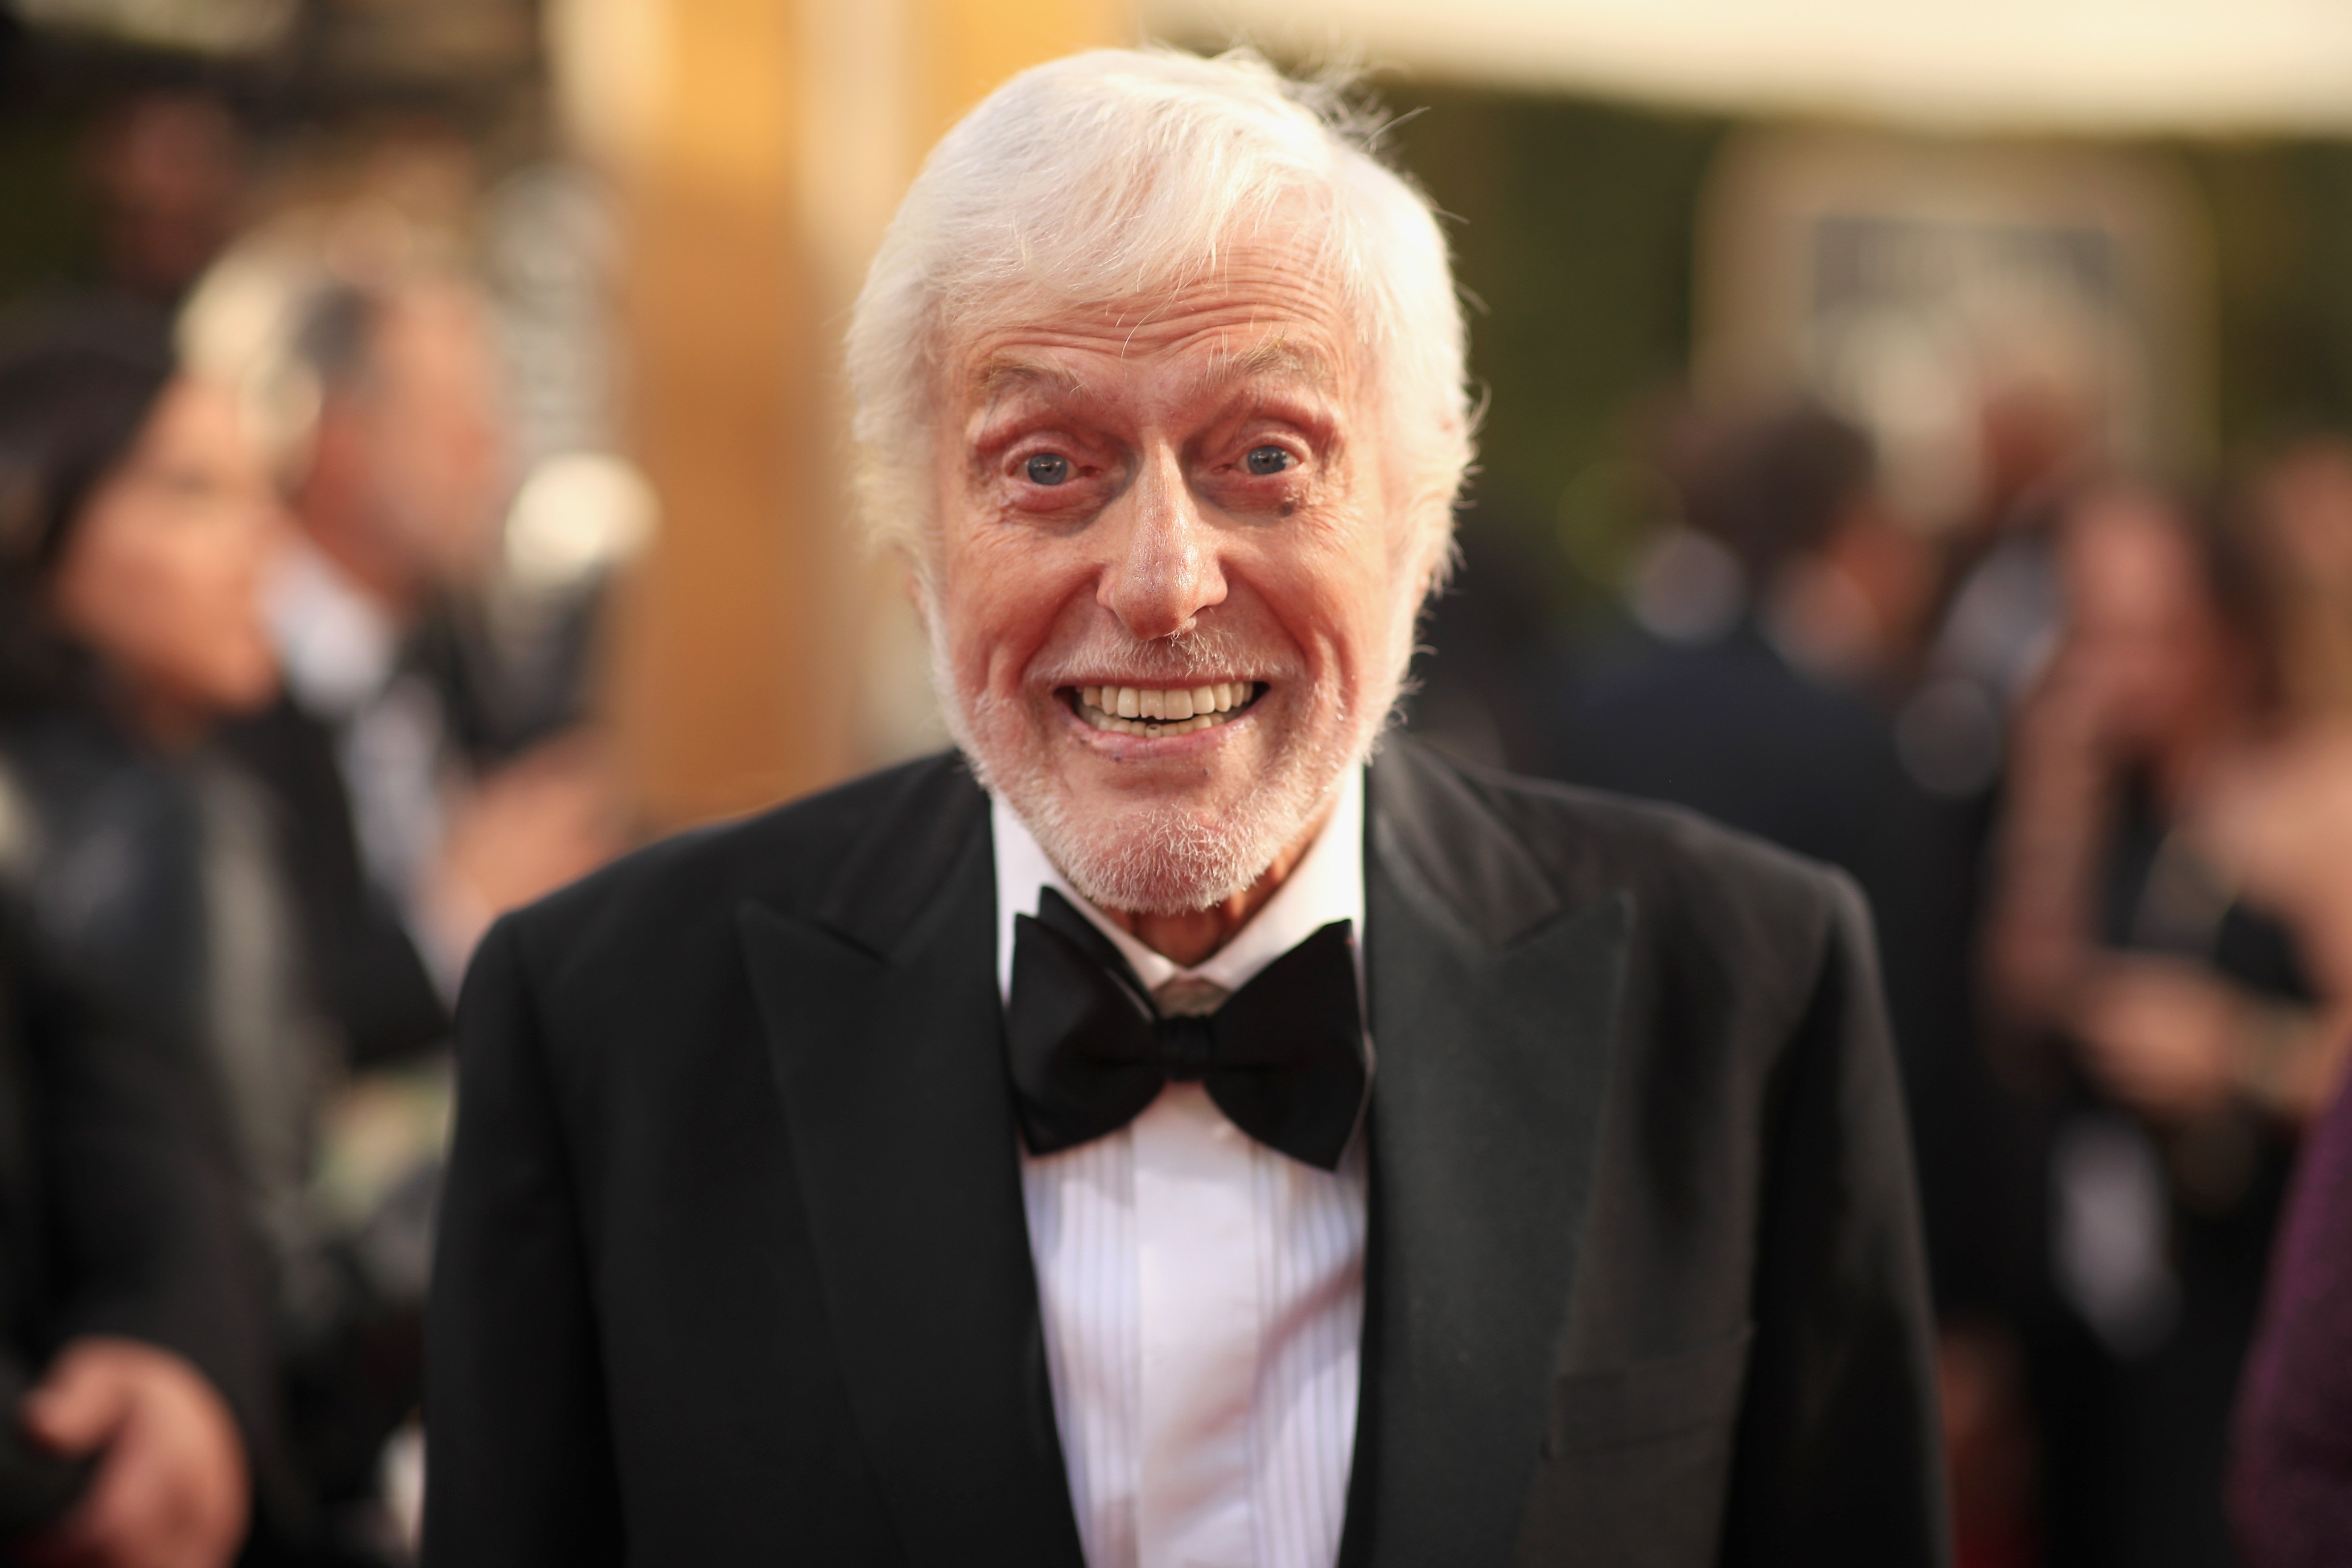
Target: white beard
1170 859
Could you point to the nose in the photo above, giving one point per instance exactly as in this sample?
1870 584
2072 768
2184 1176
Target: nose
1164 569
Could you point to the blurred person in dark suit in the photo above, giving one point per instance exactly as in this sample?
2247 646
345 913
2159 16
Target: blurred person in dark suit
1019 1157
423 786
417 811
1776 618
1779 616
1753 701
440 796
2153 992
138 522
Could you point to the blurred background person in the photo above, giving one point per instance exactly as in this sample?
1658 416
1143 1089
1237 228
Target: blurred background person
2040 436
1775 619
2280 818
2166 1014
431 772
1771 623
2290 823
431 756
1778 620
456 762
142 525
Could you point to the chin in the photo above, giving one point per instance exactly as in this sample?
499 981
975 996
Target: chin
1163 859
247 689
1168 850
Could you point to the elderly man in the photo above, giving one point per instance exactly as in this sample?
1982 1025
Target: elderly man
1018 1157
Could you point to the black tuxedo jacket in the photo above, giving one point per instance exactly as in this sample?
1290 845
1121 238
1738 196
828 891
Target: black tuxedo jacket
734 1270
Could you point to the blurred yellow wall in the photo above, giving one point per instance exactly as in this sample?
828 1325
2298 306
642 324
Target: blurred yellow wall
759 148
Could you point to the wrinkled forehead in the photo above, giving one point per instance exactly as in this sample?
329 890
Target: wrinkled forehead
1253 325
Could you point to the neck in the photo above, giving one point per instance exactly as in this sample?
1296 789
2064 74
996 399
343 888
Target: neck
165 720
348 541
1189 938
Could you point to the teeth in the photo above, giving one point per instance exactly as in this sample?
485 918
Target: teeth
1155 711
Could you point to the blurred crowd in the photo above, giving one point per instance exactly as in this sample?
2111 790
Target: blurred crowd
285 721
294 700
2089 751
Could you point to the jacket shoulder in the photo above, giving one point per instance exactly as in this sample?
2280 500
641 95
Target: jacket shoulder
1642 836
790 858
1590 840
1689 878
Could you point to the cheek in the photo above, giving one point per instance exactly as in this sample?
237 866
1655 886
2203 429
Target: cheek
226 656
108 587
1002 592
178 603
1337 592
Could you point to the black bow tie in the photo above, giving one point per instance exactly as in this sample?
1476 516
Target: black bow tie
1283 1057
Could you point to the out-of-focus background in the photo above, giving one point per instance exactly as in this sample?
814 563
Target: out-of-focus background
1917 435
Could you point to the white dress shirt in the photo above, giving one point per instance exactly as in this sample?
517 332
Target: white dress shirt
1202 1295
341 649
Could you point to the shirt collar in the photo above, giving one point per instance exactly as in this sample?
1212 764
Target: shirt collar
1327 885
338 645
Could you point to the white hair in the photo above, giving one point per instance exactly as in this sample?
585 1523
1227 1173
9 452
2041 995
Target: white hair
1121 174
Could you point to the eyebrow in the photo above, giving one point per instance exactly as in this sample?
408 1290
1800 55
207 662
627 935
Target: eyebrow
1001 373
1005 373
1275 356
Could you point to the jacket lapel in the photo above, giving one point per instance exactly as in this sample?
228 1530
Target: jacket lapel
884 1026
1493 1015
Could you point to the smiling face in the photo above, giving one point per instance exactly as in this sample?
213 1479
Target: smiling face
1174 576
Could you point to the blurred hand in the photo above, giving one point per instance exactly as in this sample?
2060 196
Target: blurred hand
2160 1034
547 818
171 1491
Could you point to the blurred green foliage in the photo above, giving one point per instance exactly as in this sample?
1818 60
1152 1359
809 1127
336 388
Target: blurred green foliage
2281 216
49 223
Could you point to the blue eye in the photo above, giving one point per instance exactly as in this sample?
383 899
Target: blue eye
1268 459
1048 468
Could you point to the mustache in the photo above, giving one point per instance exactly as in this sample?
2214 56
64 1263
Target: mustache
1107 652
